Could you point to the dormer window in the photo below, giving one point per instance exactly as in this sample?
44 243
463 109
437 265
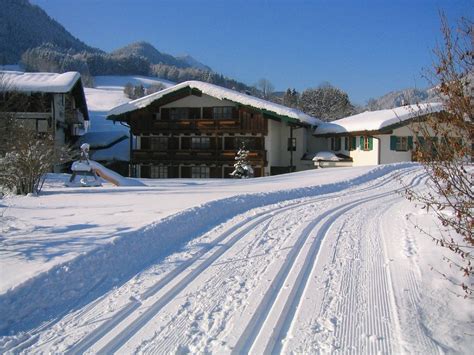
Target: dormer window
179 113
220 113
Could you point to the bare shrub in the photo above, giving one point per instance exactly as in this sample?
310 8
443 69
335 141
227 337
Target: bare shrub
445 150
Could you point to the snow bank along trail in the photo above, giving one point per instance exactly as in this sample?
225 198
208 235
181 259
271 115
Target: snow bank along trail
293 276
72 284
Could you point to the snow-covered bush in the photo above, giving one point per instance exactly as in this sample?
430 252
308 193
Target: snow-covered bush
242 167
28 156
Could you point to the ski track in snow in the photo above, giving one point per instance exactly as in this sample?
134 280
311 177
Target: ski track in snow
291 277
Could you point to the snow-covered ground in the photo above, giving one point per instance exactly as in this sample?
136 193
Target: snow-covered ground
108 93
317 261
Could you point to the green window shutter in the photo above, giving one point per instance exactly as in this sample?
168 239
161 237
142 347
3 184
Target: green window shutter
371 143
410 142
361 140
393 142
421 141
353 143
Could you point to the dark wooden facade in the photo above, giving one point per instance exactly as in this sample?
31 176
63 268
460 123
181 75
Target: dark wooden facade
197 139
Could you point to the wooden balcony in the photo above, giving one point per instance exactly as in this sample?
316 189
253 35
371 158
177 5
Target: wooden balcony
195 157
208 126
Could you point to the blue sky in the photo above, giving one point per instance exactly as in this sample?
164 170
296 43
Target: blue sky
366 48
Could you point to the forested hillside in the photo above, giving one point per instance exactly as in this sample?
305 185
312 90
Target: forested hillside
29 36
24 26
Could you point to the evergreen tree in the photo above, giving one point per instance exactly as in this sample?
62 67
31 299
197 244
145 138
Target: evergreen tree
290 99
242 167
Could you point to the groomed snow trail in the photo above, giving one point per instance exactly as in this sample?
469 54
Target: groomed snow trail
305 276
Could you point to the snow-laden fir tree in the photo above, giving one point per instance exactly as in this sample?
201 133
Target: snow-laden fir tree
242 167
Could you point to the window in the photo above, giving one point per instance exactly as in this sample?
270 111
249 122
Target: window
200 143
158 172
159 143
200 172
366 143
401 144
251 143
291 144
179 113
194 113
222 113
335 143
247 115
349 143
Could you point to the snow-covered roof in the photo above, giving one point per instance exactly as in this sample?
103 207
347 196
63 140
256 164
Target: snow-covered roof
39 82
98 140
376 120
220 93
119 152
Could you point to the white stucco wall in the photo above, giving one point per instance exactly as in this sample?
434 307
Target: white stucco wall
276 145
388 156
362 157
317 144
373 157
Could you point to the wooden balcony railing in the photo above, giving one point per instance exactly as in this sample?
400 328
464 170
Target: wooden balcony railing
200 125
195 156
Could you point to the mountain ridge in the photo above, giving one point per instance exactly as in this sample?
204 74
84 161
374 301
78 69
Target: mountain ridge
25 26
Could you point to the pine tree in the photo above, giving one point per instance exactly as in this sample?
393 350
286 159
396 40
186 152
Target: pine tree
242 167
290 99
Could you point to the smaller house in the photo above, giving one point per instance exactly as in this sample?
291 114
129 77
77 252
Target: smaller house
372 137
50 102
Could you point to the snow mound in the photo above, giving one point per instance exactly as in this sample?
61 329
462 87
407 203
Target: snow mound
81 166
112 176
326 156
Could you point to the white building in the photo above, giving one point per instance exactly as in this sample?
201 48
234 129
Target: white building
372 137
